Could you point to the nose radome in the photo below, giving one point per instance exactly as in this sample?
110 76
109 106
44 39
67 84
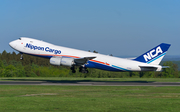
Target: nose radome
12 44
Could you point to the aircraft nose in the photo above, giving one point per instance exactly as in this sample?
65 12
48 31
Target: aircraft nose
12 44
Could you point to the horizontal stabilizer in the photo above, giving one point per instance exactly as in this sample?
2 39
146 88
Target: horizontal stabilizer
165 66
148 68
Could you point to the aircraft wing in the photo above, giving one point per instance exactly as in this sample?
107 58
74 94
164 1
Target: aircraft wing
82 61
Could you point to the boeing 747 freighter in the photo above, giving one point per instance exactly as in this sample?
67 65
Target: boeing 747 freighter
58 55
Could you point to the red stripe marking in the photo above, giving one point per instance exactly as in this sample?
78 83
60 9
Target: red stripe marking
73 57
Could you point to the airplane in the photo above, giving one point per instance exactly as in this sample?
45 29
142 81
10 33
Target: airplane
63 56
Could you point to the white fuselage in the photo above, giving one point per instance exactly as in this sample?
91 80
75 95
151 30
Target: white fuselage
105 62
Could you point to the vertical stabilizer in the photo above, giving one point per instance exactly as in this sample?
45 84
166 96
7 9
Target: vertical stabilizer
155 55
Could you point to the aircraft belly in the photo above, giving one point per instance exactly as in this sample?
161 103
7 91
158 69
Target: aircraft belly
92 64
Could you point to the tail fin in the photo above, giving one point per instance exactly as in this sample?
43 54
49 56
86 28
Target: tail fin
155 55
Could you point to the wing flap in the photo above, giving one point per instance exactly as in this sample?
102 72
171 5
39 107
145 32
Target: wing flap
82 61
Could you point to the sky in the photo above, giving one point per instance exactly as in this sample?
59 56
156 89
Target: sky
118 27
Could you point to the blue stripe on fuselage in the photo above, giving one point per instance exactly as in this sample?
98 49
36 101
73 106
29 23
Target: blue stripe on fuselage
90 64
120 68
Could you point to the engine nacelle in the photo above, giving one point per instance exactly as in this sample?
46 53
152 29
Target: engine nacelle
62 61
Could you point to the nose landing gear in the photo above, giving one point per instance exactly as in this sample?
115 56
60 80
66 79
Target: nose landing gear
21 58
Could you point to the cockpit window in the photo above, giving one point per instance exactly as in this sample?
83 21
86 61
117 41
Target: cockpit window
19 38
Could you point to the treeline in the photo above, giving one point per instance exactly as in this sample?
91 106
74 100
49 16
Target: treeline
31 66
178 64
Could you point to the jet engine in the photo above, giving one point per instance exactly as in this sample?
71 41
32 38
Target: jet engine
62 61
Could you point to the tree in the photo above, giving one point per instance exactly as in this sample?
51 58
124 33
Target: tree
170 72
95 51
9 71
1 64
27 69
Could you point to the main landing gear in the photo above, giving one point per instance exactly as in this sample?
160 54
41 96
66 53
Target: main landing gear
82 69
73 69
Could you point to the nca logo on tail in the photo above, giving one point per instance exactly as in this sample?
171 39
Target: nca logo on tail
153 53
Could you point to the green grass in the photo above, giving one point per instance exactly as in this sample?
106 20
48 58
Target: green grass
89 79
28 98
